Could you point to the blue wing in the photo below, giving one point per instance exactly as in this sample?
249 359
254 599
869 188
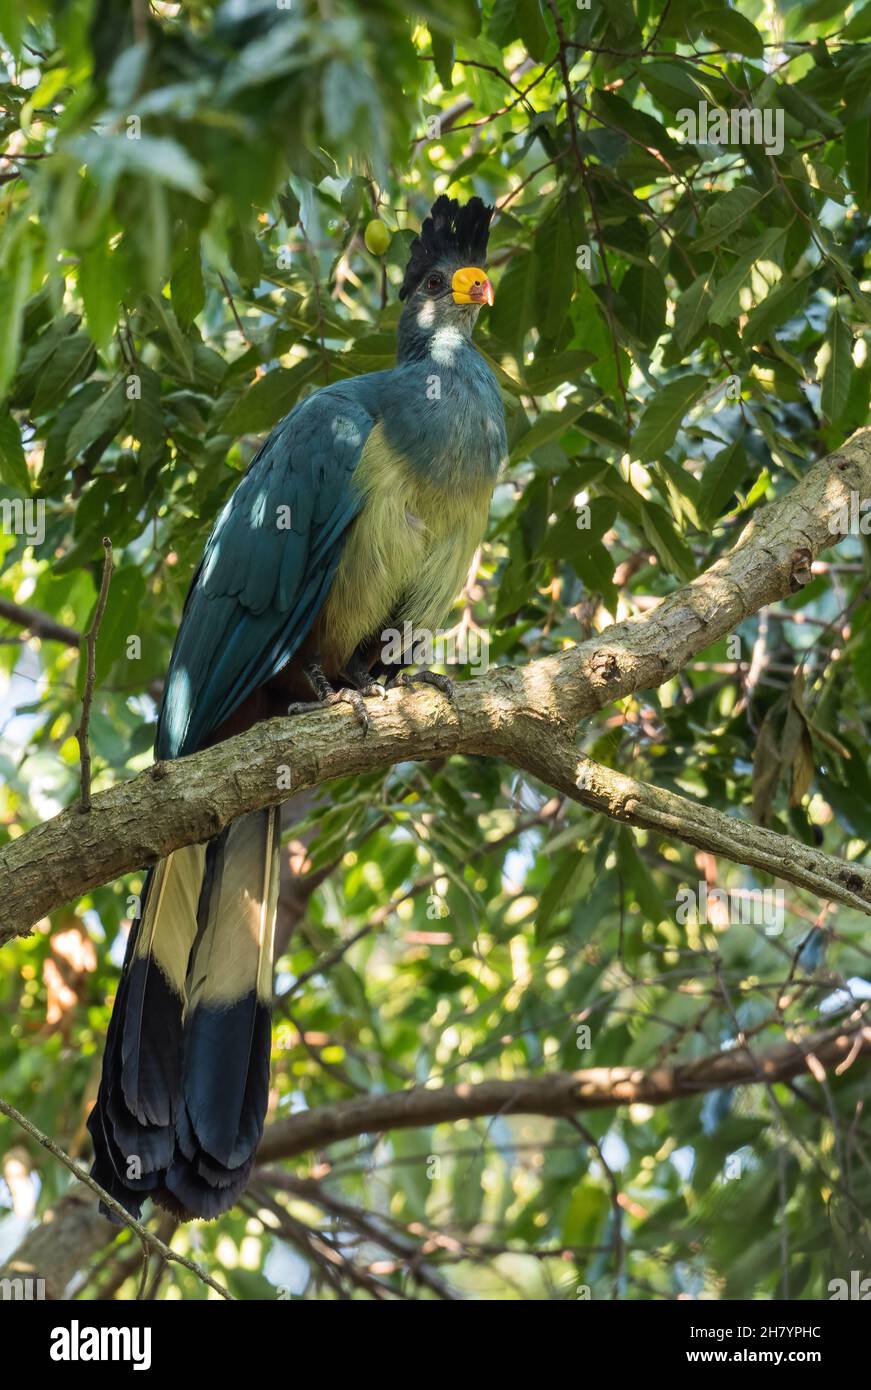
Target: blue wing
263 577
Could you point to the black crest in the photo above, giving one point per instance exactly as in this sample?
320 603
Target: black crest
449 229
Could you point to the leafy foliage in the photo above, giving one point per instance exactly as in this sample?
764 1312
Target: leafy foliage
680 327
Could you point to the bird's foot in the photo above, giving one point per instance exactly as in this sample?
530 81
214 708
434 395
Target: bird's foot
354 698
364 683
326 695
412 678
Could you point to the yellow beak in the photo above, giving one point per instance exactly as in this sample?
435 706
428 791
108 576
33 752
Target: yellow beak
471 286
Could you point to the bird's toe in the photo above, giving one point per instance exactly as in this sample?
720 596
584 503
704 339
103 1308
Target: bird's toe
355 699
433 678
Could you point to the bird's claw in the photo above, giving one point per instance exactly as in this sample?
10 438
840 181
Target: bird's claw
433 678
373 688
303 706
336 697
354 698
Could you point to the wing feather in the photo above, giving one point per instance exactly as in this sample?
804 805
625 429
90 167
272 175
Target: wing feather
263 579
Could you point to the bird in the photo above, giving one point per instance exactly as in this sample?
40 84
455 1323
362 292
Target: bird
359 514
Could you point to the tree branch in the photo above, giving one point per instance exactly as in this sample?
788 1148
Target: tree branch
682 818
516 714
39 624
562 1094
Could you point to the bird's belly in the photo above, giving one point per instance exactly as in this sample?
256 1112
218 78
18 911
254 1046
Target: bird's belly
405 560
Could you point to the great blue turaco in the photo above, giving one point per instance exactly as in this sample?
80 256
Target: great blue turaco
388 479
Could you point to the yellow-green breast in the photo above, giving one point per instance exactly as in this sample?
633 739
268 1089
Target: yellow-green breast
407 554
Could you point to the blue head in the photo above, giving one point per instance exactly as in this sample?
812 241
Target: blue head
445 282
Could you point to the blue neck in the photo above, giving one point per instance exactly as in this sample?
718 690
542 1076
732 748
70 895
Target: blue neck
414 343
442 410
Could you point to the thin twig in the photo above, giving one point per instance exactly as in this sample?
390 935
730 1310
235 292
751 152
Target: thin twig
234 311
148 1238
617 1216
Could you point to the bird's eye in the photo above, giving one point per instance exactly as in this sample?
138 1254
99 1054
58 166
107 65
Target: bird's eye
434 282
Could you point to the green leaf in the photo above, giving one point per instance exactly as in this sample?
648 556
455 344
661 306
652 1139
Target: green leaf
245 256
857 145
848 280
555 255
860 648
12 21
289 204
732 31
819 176
70 362
720 478
728 212
647 894
13 465
603 430
642 128
186 282
126 76
167 320
644 295
573 874
101 285
146 421
673 553
656 430
859 27
725 306
103 416
504 24
267 400
544 373
513 312
532 28
672 85
549 425
775 310
14 289
110 157
835 367
621 13
593 563
693 308
123 618
443 53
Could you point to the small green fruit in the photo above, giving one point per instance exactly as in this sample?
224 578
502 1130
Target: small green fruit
376 237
